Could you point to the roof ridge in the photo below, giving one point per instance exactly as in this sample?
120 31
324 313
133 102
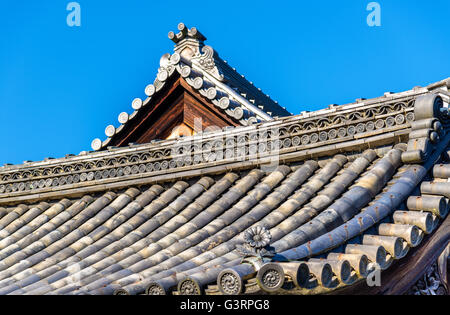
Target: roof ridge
280 122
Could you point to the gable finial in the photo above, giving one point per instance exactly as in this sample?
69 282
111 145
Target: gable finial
188 42
186 33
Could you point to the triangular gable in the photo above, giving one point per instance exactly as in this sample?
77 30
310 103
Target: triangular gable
178 110
212 90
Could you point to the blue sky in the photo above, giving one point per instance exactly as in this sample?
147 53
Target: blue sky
60 86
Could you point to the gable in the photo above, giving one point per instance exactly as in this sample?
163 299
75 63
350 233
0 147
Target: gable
178 110
216 93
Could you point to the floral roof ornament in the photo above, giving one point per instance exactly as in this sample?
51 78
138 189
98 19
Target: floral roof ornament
257 237
257 240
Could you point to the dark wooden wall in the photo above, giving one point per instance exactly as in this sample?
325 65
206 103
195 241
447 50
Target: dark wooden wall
177 103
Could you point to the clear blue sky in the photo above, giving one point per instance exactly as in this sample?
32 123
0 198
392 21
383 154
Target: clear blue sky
61 86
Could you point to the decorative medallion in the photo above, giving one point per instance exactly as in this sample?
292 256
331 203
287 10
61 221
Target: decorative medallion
257 240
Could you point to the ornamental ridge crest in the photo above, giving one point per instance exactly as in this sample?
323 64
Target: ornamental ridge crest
207 61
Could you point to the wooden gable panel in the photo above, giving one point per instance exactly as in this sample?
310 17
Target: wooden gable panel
160 126
178 103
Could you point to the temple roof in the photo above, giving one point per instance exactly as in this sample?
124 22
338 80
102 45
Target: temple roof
304 204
